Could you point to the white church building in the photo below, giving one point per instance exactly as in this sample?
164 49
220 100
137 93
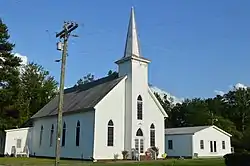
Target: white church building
104 117
117 113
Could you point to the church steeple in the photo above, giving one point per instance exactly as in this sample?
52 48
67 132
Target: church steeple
132 55
132 47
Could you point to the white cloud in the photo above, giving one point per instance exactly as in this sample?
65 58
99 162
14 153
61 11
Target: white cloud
240 85
169 96
23 58
219 92
231 87
24 61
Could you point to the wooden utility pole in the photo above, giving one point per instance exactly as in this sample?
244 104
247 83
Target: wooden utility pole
65 33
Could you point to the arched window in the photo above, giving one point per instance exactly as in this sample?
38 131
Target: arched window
51 135
41 136
139 132
77 133
152 135
139 107
110 133
63 134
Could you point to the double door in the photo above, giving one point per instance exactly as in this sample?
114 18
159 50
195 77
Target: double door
213 147
139 145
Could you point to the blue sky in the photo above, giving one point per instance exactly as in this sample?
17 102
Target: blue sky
195 46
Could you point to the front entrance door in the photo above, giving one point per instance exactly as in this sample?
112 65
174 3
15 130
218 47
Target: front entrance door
139 141
213 146
139 145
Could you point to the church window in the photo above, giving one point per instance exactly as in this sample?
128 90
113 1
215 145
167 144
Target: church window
63 134
139 107
139 132
41 136
110 133
51 135
152 135
77 133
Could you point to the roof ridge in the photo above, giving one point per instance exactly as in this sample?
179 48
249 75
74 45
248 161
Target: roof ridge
92 83
189 127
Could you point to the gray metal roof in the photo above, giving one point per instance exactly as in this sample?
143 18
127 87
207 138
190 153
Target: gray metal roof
81 98
184 130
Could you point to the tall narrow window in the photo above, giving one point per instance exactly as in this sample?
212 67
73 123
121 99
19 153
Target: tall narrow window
223 145
139 107
78 133
215 146
110 133
51 135
201 144
211 146
63 134
41 136
152 135
18 143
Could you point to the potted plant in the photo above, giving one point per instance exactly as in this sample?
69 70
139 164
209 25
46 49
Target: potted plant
125 154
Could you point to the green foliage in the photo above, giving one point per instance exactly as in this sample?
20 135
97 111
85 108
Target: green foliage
38 88
9 78
21 93
236 159
86 79
110 72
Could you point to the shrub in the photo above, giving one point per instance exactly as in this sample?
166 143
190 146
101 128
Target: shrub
125 154
116 156
237 159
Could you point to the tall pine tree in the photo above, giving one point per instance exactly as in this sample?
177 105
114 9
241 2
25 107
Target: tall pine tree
9 79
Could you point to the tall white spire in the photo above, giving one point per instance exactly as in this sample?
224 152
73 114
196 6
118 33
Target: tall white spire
132 47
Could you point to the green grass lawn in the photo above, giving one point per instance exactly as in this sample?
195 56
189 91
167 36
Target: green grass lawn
170 162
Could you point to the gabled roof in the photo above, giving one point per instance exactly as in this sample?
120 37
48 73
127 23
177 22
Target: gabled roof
81 98
184 130
191 130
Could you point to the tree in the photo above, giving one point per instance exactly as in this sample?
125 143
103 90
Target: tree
38 88
167 105
86 79
238 110
9 79
110 72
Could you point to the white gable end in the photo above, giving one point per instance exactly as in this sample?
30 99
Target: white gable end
110 108
160 108
212 137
